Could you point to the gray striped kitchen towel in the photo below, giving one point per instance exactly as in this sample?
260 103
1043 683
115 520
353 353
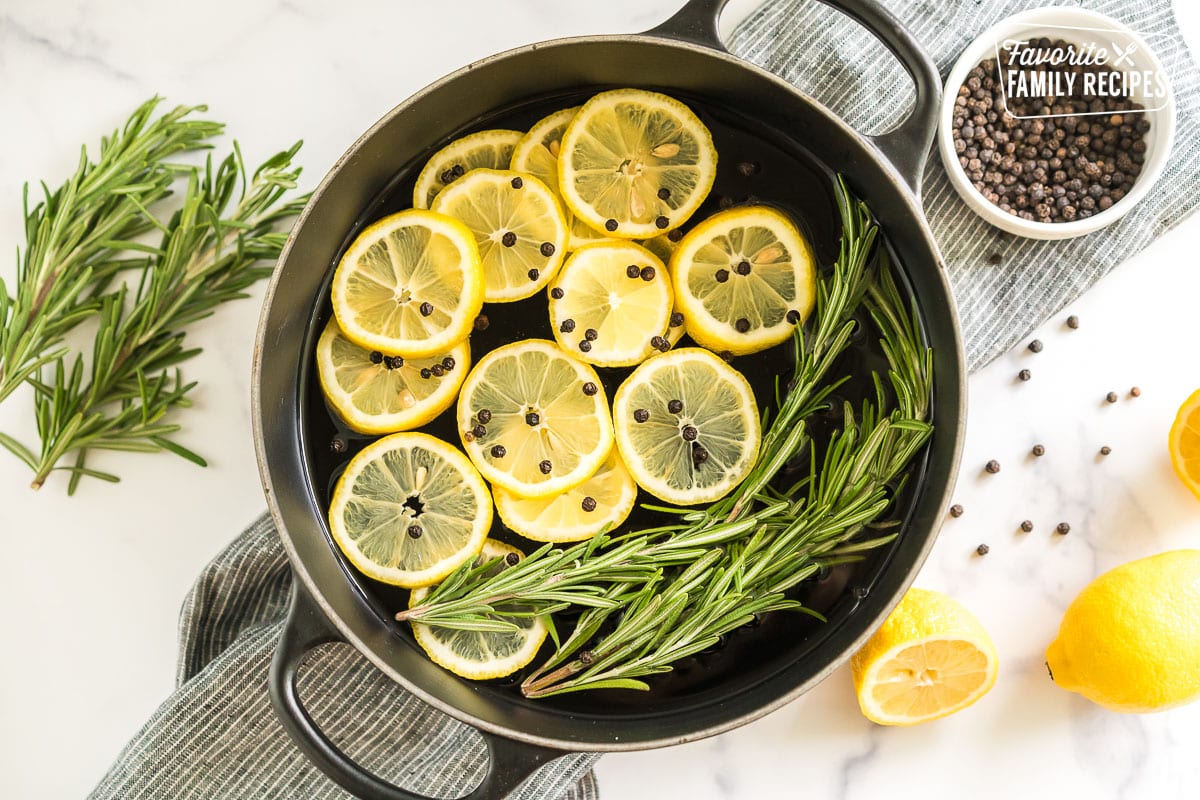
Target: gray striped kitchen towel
840 64
216 737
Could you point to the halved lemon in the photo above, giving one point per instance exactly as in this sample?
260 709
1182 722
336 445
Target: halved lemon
378 393
930 658
611 304
409 509
490 149
1184 443
602 502
744 278
482 655
534 420
635 163
537 155
411 285
518 227
686 425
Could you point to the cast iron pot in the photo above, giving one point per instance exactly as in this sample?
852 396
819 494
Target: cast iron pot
684 56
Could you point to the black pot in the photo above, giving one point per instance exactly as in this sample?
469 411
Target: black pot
684 57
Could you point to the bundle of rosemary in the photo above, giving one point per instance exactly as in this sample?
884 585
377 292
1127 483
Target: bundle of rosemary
648 598
91 254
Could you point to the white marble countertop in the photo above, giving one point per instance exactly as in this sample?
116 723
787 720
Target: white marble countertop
90 587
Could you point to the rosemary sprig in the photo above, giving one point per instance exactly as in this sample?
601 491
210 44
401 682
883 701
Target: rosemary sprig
678 588
82 233
220 242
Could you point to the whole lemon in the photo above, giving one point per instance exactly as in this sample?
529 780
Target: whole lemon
1131 640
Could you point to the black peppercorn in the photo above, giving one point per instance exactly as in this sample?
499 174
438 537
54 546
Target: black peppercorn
721 275
1035 346
661 222
590 388
547 249
545 466
508 239
415 531
533 274
664 193
660 343
567 326
517 183
484 416
1105 450
742 325
1111 397
699 454
1027 525
676 319
633 271
532 419
448 363
426 309
591 334
742 268
557 293
1024 374
482 322
498 451
647 273
1072 322
480 431
641 415
956 510
585 346
1135 392
588 504
376 357
512 559
1039 450
983 550
674 406
675 235
793 317
438 370
1062 529
992 466
610 225
337 445
425 373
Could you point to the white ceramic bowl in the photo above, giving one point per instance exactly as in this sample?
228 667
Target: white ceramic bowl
1050 22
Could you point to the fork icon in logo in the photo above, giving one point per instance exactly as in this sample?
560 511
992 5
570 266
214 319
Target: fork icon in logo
1121 56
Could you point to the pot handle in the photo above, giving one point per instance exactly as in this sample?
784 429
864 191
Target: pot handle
509 762
905 146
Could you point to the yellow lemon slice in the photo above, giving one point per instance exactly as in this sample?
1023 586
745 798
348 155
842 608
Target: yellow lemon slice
378 393
635 164
411 285
663 246
1184 443
602 502
482 655
930 658
491 149
534 420
409 509
686 425
537 155
744 278
611 304
518 228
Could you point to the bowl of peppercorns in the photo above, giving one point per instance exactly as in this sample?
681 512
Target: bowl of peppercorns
1055 122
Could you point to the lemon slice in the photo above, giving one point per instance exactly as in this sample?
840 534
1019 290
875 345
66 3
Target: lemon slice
663 246
1183 443
744 278
483 150
534 420
481 655
411 285
409 509
518 227
611 303
635 164
930 658
377 393
537 155
686 426
602 502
